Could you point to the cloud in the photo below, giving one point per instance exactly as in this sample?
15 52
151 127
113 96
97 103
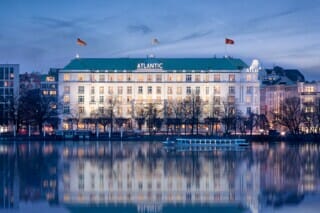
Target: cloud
53 22
139 28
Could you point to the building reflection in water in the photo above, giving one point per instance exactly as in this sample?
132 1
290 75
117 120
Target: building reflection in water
149 178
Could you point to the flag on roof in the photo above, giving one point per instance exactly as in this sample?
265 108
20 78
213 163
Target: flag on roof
81 42
229 41
155 41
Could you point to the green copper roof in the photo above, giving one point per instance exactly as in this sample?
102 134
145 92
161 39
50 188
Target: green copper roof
167 63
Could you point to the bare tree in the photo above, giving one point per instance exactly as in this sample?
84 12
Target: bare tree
228 116
290 115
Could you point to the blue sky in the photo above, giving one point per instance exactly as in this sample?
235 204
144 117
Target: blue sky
39 34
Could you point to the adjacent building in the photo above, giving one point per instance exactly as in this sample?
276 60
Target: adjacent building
9 90
88 86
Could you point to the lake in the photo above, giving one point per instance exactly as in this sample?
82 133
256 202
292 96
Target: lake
147 177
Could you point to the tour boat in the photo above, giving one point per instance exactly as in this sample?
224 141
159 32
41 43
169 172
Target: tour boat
206 142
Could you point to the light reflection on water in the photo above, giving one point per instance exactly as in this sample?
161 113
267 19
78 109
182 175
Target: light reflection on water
145 177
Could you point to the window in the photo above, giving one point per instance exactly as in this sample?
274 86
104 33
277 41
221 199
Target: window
309 89
101 78
80 77
66 77
158 78
92 99
169 90
248 99
249 90
188 78
207 90
248 77
101 110
231 90
140 90
207 78
149 90
231 99
197 78
92 90
129 90
101 90
81 99
149 77
120 90
110 77
216 89
179 77
216 100
81 109
170 77
81 89
92 77
216 77
158 90
66 109
66 89
188 91
66 99
232 77
101 99
129 98
179 90
197 90
140 78
120 78
110 90
129 77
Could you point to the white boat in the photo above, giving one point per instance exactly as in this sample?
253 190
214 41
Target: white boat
206 142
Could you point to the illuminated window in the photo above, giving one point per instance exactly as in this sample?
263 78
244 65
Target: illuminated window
197 78
110 90
207 78
232 77
216 77
179 90
66 77
120 77
169 90
129 77
248 77
80 77
170 77
216 89
101 90
149 77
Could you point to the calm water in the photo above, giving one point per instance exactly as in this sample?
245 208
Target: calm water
145 177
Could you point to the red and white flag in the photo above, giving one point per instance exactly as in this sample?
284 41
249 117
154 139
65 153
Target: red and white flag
81 42
229 41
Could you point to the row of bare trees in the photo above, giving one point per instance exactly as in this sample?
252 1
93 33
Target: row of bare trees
187 116
31 108
297 116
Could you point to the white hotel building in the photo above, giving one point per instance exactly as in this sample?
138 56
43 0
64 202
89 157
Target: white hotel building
86 85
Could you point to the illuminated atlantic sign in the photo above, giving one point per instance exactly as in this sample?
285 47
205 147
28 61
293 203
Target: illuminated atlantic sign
149 66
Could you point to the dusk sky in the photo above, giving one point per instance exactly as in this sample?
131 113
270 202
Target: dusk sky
39 34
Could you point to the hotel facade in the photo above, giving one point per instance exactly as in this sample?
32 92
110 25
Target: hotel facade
89 86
